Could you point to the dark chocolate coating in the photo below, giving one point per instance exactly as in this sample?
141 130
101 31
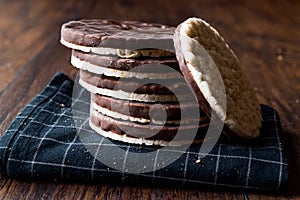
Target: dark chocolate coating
136 130
118 34
125 64
141 110
133 85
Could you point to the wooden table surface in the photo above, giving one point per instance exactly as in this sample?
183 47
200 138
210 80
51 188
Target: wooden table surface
264 34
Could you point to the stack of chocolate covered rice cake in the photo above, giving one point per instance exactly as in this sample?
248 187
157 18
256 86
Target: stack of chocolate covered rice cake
138 94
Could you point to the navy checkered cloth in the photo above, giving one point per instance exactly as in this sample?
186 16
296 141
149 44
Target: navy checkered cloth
44 143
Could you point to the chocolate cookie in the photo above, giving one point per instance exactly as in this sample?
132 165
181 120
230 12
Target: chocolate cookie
134 85
121 38
118 94
150 95
174 113
125 64
147 71
136 133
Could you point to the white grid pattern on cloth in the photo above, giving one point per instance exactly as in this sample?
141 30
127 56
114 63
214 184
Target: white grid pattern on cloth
217 164
170 150
154 165
142 175
153 175
124 146
59 165
93 168
249 167
230 156
185 166
66 152
124 162
70 144
40 143
43 98
95 158
280 152
39 98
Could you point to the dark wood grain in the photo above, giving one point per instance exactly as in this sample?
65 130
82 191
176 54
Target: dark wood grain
264 34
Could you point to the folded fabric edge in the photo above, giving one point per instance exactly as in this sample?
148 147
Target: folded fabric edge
7 139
